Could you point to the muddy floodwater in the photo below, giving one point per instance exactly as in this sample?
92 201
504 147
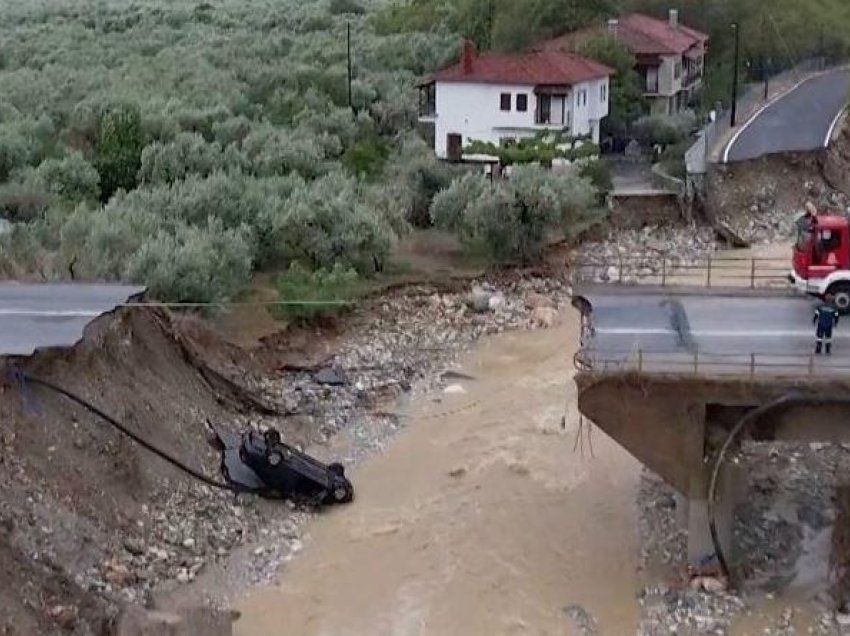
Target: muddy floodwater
484 516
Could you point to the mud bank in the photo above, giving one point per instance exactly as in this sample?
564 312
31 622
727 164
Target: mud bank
88 520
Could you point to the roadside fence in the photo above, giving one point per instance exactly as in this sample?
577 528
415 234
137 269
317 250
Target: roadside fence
696 364
709 271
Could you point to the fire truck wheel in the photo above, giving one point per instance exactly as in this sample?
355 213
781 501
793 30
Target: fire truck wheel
841 296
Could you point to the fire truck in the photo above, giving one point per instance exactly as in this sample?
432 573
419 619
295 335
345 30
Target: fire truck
821 259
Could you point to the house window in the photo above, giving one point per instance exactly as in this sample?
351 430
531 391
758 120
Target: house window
506 102
521 102
677 69
507 142
582 98
603 93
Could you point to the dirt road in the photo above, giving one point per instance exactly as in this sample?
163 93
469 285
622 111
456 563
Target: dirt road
480 521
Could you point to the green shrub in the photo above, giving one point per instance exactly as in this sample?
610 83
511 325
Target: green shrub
193 264
449 206
672 160
366 158
327 222
22 202
317 293
586 150
340 7
14 154
72 178
599 174
118 153
510 220
418 176
274 151
188 153
664 130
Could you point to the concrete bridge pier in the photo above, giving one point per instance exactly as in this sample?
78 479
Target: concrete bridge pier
731 490
675 425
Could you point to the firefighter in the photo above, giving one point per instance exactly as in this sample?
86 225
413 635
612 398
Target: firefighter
809 220
825 319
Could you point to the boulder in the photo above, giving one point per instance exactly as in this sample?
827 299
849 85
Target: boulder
479 300
545 317
536 301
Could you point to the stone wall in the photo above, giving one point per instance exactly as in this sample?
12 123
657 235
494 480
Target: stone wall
635 212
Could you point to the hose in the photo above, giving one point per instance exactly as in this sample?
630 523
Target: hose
123 429
782 401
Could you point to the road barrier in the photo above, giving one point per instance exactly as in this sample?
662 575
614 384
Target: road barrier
710 271
696 364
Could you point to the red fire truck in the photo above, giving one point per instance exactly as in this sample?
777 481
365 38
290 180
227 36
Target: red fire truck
821 259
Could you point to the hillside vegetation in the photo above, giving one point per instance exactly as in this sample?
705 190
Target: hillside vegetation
186 145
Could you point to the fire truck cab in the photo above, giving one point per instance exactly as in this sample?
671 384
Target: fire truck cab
821 259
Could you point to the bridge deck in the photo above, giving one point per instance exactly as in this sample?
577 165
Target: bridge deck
709 335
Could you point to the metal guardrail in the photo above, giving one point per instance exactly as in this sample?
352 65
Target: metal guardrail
741 365
710 271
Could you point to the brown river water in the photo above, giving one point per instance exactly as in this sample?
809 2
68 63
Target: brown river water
482 521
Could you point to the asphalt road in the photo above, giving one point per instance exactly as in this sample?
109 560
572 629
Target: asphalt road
715 334
800 120
53 315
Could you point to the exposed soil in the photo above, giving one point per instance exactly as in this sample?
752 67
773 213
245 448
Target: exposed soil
757 198
76 492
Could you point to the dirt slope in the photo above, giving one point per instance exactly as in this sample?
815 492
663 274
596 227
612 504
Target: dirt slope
76 492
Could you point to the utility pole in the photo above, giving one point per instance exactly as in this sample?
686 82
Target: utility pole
348 39
489 24
766 72
735 73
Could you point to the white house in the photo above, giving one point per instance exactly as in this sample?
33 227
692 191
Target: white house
501 98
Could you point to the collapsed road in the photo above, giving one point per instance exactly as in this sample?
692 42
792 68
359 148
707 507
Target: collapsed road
55 314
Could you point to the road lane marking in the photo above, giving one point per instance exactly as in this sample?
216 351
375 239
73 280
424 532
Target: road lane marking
707 333
87 313
833 125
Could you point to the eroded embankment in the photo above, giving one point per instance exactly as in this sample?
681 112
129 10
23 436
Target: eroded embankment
86 516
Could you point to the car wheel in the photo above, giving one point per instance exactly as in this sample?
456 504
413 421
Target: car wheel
841 296
343 491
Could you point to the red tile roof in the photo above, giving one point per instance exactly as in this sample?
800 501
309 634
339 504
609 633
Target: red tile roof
534 68
640 34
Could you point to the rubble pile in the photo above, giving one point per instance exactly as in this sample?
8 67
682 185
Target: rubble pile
632 255
769 219
401 344
781 536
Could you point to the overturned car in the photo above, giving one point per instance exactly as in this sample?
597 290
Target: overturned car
261 463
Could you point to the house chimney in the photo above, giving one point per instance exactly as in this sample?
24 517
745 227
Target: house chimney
613 25
467 57
674 18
